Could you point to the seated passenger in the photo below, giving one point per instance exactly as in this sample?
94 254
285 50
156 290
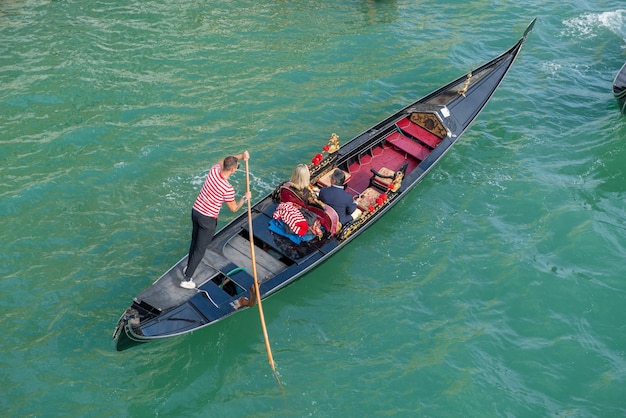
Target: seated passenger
336 197
301 184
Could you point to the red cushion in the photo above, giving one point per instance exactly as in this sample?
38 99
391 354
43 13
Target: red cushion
418 132
328 216
408 145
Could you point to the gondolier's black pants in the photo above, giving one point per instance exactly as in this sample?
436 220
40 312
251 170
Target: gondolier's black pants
201 236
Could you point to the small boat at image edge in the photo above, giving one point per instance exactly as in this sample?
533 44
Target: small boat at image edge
619 88
381 165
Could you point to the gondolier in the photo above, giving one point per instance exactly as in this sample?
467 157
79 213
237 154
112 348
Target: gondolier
215 191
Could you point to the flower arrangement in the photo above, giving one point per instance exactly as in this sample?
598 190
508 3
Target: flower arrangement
380 200
332 146
374 204
317 159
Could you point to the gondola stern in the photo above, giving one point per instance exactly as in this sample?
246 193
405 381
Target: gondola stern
123 336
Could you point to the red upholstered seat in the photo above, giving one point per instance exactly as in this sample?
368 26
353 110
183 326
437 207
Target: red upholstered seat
408 145
328 217
382 181
324 181
418 132
367 199
287 194
387 179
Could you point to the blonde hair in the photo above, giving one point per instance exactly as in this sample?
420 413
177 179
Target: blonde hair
301 177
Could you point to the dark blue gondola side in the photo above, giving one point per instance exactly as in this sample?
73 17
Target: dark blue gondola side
407 144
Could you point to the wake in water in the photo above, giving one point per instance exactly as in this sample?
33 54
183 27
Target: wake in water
587 24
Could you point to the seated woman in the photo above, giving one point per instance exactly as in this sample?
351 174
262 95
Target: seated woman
301 184
298 190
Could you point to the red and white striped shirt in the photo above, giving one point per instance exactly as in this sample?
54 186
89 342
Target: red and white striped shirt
290 214
215 191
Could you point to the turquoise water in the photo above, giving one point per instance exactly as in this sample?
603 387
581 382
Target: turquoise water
495 288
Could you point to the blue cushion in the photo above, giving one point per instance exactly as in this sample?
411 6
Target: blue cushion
280 228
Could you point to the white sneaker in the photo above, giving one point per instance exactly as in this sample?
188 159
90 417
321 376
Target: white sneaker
188 284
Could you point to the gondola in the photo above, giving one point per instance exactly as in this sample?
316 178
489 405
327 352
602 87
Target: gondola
619 88
381 165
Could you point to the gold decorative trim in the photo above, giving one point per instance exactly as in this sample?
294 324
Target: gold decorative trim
355 225
465 85
430 122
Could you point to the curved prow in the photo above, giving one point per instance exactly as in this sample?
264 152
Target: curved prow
529 28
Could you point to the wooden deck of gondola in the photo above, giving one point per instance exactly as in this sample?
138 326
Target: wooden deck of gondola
238 250
166 292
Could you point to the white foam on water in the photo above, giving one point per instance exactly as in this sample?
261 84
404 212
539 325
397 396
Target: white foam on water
587 24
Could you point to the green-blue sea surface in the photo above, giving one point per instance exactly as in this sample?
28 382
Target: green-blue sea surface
496 288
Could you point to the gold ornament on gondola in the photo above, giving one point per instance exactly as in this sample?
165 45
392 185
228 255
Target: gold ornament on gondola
333 144
380 201
396 182
465 85
331 147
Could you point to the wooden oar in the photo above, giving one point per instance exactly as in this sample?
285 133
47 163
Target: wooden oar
256 281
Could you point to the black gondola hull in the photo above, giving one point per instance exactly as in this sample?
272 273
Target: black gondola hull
410 142
619 89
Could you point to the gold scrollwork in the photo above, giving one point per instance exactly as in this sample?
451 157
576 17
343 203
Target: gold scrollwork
348 229
466 84
320 169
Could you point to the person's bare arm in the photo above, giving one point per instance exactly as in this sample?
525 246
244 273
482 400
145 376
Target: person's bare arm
234 206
